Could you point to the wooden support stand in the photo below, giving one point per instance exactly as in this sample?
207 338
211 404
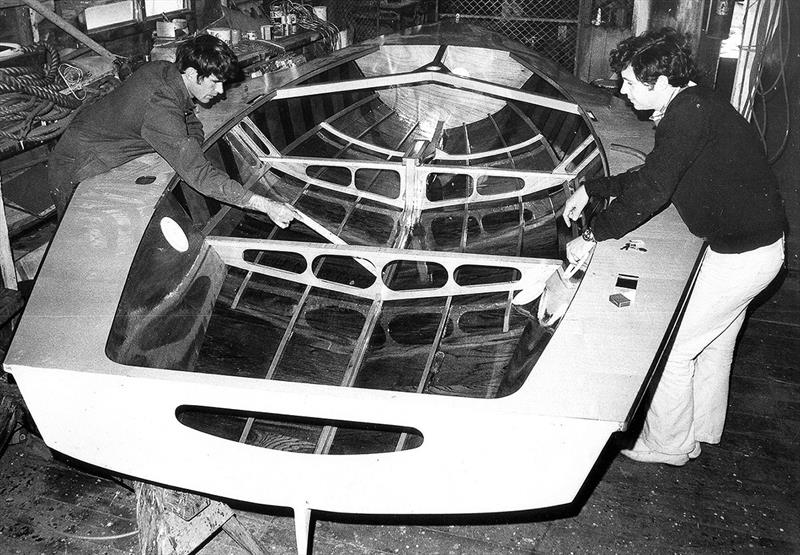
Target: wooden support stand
176 523
6 257
8 421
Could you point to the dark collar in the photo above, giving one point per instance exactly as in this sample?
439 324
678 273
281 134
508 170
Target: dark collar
174 79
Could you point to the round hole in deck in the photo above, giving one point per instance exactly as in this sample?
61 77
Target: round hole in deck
174 235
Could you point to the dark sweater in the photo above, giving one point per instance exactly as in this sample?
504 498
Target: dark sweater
709 162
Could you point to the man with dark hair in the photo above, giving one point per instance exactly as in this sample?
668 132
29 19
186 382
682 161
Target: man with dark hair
708 162
209 56
154 111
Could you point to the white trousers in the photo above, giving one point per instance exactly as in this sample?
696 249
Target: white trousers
691 399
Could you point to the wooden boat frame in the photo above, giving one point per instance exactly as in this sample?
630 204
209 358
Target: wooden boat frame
533 448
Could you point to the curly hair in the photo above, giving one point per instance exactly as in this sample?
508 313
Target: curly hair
655 53
209 56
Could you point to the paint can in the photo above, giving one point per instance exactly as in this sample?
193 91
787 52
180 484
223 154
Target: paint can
165 29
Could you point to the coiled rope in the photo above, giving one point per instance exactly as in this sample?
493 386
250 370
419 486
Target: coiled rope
32 106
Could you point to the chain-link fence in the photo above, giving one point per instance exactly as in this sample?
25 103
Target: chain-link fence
547 26
369 18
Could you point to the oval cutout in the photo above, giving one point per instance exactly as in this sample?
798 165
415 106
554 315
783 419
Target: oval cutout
286 261
333 174
381 182
344 270
409 275
297 434
497 184
445 186
174 234
482 275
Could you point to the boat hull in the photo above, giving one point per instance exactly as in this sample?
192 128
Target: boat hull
531 448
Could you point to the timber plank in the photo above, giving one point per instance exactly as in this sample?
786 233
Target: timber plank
773 398
685 511
762 426
392 538
750 445
658 535
778 355
783 307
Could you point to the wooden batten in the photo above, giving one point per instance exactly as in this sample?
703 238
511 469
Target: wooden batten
6 257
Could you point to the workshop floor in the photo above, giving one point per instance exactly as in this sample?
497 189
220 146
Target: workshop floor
739 496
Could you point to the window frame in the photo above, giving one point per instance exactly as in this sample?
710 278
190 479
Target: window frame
139 15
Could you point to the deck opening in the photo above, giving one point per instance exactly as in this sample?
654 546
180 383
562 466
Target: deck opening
345 270
280 260
405 275
477 275
299 434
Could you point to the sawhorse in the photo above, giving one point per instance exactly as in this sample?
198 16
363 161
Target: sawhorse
176 523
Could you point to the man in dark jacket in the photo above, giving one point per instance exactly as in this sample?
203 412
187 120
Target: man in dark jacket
709 163
154 111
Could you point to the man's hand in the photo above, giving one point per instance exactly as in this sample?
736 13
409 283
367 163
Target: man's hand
575 205
280 213
578 249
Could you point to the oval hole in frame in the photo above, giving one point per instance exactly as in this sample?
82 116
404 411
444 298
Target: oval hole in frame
174 234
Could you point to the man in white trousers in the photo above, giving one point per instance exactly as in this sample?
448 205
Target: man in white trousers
709 163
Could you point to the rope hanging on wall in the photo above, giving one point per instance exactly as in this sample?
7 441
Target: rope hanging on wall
32 106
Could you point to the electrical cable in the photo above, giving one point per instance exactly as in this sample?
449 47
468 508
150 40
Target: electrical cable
745 53
72 77
755 87
758 93
780 79
91 538
308 19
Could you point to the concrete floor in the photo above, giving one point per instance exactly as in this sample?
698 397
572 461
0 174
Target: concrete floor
740 496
